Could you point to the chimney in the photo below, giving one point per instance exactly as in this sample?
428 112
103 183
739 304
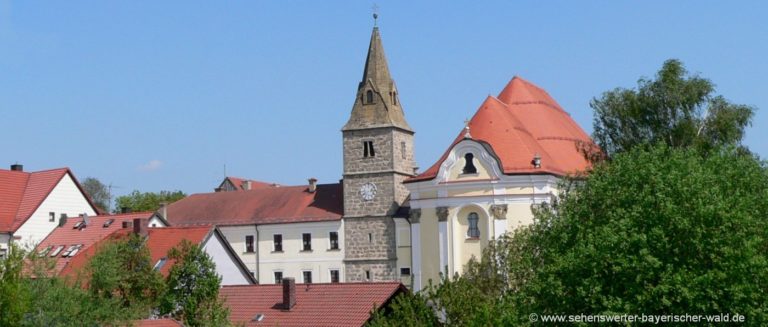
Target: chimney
312 185
86 220
246 185
140 226
17 167
164 210
289 293
62 220
125 210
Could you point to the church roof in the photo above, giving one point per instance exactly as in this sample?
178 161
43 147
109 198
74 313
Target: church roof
522 122
384 110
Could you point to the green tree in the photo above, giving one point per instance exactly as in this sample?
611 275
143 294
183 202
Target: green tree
147 201
656 231
14 296
122 270
193 288
676 108
99 193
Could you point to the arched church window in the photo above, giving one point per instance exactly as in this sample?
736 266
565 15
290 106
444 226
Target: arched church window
369 96
469 166
473 231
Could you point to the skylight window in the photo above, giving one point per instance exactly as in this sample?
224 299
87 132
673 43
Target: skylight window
75 250
108 223
160 263
68 251
77 225
44 251
57 250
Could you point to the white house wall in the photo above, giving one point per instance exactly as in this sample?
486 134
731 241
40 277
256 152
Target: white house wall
226 266
64 198
292 261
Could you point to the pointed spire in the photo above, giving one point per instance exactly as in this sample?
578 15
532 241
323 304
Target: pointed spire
377 103
376 67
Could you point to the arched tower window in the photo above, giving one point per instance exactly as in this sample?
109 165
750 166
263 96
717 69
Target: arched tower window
473 231
469 166
369 96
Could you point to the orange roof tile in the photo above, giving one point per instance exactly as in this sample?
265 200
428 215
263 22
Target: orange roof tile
159 241
87 236
238 183
21 193
157 323
284 204
341 304
522 122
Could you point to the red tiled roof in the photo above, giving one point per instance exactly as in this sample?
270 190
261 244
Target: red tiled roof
284 204
157 323
162 240
93 233
238 183
21 193
342 304
522 122
159 241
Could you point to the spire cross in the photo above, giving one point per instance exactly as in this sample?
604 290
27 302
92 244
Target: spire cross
375 9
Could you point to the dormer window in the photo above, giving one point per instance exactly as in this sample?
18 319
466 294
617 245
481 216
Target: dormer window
473 231
368 150
369 97
469 166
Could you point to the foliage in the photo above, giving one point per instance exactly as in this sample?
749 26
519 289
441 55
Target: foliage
658 231
14 297
193 288
99 193
122 270
406 309
676 109
147 201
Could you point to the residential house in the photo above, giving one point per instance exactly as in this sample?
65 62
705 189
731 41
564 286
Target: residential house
32 203
317 305
286 231
78 239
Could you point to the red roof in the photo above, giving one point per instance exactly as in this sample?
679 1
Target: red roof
341 304
162 240
21 193
157 323
238 183
284 204
91 234
522 122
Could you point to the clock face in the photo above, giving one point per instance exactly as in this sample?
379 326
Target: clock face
368 191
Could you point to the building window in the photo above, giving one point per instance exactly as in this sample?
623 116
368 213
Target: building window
370 237
334 237
368 150
369 96
368 275
334 276
469 166
473 231
402 149
307 277
405 271
3 253
278 277
278 242
394 98
249 243
51 216
306 240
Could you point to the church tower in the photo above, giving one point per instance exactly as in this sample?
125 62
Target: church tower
378 157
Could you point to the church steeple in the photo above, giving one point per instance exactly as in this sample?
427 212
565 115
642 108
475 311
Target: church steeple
377 103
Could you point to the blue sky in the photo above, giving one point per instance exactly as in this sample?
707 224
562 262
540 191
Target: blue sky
161 95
